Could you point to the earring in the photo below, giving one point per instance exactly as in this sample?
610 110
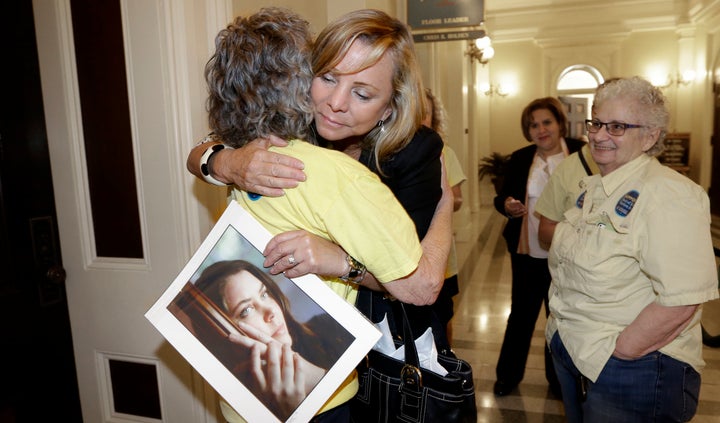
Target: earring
381 125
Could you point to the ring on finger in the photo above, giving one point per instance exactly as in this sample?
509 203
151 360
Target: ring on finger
291 260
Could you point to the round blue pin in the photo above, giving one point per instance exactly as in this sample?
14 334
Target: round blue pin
580 200
626 203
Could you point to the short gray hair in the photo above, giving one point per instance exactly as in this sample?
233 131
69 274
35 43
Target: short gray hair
647 102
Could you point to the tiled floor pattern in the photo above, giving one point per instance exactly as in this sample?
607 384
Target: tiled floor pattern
479 324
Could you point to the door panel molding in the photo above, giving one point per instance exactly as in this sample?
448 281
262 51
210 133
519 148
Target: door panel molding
107 297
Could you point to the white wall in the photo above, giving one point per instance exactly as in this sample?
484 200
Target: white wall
531 52
536 67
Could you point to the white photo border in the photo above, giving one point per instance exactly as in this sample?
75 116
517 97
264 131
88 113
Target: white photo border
220 378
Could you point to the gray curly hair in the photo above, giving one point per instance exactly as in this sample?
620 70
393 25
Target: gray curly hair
259 78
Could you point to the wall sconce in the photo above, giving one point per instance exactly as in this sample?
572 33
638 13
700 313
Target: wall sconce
495 89
481 49
684 78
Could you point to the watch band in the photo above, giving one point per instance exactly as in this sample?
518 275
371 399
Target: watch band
357 271
205 168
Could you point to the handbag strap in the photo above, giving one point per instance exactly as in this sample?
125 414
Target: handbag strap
410 375
584 163
411 354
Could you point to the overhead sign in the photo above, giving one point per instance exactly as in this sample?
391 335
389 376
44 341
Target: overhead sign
438 14
447 36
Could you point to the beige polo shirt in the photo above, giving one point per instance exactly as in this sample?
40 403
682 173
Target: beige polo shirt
563 190
641 236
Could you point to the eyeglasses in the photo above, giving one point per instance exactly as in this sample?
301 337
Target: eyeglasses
613 128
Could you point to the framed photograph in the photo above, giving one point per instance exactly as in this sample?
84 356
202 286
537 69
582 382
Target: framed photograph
223 303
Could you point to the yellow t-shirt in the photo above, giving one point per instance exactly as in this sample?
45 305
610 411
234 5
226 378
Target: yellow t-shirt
453 167
341 201
455 176
641 236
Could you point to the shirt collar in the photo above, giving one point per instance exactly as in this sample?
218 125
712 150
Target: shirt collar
614 179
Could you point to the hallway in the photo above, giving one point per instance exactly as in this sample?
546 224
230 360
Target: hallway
481 311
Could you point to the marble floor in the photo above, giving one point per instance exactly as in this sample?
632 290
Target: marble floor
481 311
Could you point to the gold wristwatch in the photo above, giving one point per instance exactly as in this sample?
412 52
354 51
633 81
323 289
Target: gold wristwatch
357 271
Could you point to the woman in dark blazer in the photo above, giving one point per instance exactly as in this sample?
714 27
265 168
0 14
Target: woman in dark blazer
544 124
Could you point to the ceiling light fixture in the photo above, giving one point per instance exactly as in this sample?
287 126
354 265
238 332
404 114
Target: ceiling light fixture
481 49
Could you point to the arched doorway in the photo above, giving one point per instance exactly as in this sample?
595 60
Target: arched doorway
576 87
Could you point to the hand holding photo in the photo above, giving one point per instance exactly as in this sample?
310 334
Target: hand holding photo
274 348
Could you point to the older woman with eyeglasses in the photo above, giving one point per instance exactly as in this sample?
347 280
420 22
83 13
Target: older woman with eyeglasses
631 264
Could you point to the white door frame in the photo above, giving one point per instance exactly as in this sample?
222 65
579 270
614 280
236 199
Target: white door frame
166 44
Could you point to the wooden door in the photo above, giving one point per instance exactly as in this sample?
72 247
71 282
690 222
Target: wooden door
715 178
125 369
38 381
576 109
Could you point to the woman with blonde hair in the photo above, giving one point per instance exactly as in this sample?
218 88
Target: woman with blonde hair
354 97
368 102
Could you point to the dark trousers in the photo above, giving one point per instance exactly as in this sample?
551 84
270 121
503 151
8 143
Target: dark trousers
339 414
530 283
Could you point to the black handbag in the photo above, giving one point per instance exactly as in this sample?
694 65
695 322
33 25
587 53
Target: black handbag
393 390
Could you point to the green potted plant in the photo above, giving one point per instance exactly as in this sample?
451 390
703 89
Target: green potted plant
494 166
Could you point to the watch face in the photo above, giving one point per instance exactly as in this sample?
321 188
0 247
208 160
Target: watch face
357 271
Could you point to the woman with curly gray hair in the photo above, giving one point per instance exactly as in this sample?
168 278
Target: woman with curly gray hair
631 265
342 223
255 55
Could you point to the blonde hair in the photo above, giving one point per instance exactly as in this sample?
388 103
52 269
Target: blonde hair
438 117
383 35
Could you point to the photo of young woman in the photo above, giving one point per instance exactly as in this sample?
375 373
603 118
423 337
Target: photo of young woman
242 316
